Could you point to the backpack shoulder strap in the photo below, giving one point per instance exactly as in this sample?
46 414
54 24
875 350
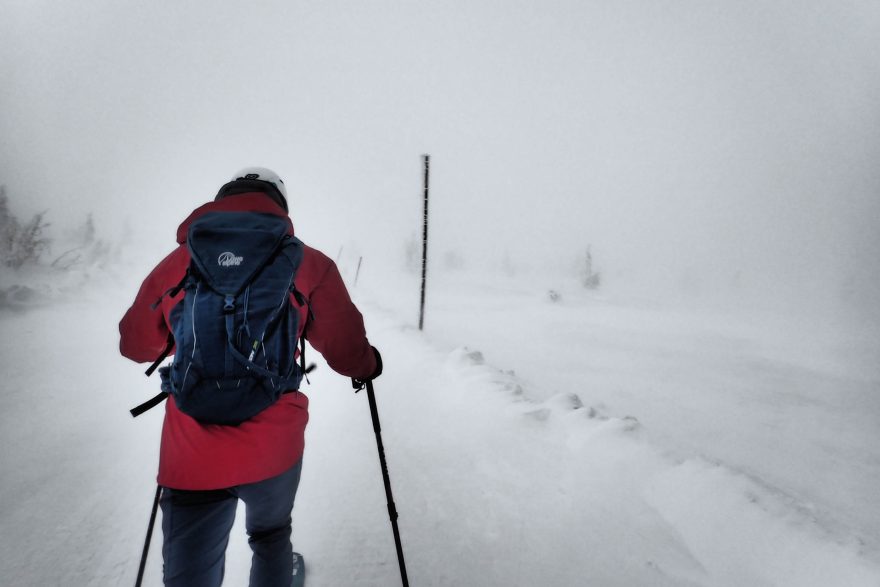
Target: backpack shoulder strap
302 300
165 352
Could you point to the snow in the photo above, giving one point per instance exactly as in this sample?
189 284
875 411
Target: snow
594 440
709 416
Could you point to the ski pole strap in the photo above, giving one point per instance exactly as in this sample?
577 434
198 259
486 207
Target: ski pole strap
148 405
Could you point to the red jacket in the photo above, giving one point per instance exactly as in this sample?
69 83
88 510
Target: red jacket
211 456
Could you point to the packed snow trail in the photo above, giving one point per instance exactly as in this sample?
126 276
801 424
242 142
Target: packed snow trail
793 401
493 488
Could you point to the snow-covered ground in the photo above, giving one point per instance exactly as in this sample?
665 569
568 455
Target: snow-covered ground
588 441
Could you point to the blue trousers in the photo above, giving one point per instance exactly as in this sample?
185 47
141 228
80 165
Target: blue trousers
196 527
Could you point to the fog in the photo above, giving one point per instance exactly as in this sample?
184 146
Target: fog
712 152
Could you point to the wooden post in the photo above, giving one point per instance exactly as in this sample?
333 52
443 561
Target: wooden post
358 272
427 160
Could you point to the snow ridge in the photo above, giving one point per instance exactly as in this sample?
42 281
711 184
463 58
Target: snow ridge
734 528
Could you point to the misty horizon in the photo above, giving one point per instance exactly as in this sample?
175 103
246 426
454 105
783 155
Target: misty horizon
712 151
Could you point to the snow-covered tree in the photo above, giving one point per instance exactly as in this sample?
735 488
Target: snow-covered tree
8 228
29 242
589 279
20 244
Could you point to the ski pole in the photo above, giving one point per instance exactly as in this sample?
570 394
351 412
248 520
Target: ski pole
392 511
140 576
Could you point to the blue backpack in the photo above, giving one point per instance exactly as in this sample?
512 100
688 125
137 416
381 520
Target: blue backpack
235 330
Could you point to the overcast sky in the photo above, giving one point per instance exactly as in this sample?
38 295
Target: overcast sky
712 146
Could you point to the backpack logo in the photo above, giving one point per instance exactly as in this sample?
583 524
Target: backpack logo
229 259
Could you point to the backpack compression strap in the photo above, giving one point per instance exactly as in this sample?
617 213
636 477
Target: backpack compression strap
162 396
170 344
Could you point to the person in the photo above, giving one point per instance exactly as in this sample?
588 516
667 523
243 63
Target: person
204 469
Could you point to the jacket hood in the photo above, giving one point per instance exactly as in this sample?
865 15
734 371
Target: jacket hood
248 202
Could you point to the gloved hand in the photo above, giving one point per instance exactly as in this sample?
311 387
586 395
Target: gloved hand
359 384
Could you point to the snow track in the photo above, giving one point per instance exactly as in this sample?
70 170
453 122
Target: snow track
494 487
